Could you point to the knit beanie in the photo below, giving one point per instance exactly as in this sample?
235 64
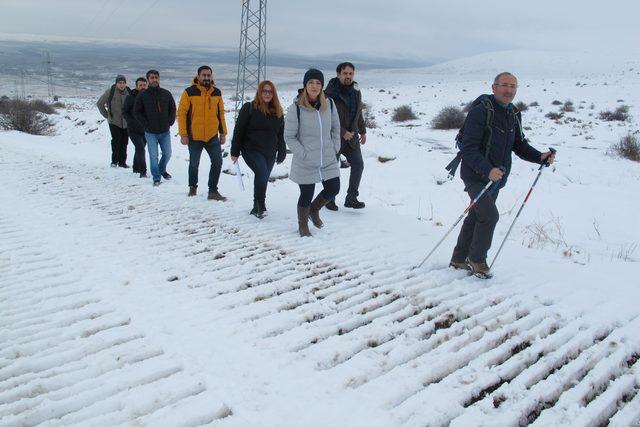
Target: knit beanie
120 78
313 74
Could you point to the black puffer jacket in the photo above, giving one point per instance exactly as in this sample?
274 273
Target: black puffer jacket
155 109
257 131
133 126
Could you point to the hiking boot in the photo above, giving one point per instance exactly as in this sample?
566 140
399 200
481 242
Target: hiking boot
166 175
143 175
353 202
192 191
216 196
459 265
303 221
262 210
114 165
332 206
480 269
257 210
314 210
124 165
156 183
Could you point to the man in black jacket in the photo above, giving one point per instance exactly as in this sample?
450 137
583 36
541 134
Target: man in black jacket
353 133
479 166
136 131
155 109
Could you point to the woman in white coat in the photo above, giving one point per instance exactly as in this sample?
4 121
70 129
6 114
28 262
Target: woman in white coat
312 133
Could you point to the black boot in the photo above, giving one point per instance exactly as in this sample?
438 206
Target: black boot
332 206
303 222
353 202
254 211
314 211
262 210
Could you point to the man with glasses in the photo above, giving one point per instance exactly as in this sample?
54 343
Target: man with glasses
481 165
155 110
201 126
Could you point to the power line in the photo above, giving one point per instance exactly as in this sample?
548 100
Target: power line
139 17
110 16
104 4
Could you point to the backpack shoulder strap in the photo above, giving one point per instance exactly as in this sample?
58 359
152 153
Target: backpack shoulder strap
298 112
112 91
488 125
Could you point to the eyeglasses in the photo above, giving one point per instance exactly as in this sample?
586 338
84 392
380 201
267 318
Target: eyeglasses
267 91
509 86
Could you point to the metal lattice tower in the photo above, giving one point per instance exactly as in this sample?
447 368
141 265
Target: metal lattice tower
50 85
252 62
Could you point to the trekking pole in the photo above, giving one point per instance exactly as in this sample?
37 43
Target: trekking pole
471 205
535 181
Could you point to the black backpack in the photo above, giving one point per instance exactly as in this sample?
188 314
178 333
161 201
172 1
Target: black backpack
485 101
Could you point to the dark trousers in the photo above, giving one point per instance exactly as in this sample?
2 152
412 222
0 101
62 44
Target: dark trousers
354 157
476 234
139 158
119 141
331 188
215 155
261 167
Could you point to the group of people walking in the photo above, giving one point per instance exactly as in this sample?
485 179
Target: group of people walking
319 126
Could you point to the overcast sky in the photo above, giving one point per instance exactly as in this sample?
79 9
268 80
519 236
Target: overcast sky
418 29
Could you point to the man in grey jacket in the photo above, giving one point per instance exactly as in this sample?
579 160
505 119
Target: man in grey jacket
111 105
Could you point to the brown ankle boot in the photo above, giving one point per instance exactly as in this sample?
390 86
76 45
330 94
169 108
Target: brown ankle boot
314 211
303 222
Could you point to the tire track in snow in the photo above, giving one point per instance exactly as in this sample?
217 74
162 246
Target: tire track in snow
403 338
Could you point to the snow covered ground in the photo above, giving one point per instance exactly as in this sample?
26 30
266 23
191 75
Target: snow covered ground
124 304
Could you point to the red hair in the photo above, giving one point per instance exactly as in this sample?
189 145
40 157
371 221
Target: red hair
272 107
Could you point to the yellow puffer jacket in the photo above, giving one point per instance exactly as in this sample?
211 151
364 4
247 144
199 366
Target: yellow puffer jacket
201 113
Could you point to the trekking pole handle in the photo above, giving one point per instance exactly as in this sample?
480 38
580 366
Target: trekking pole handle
553 151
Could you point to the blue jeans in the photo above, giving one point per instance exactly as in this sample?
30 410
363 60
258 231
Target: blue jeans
164 141
261 167
215 155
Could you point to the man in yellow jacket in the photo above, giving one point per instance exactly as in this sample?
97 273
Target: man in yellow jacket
202 126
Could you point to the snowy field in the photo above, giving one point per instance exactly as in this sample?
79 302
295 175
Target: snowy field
125 304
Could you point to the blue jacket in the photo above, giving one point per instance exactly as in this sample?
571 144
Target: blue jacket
506 137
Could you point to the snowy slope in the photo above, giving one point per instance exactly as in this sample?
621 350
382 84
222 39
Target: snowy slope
121 303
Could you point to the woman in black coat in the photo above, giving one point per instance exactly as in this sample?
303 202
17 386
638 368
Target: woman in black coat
259 137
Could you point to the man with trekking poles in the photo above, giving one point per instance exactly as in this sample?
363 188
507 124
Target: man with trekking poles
491 132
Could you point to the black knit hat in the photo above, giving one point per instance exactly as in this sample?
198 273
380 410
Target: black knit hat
313 74
120 78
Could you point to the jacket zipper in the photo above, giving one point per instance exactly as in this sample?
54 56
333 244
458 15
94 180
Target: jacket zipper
321 145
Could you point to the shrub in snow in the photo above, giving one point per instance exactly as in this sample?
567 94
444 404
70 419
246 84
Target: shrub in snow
534 104
554 116
42 106
448 118
24 116
403 113
556 102
567 107
522 106
369 118
621 114
628 147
